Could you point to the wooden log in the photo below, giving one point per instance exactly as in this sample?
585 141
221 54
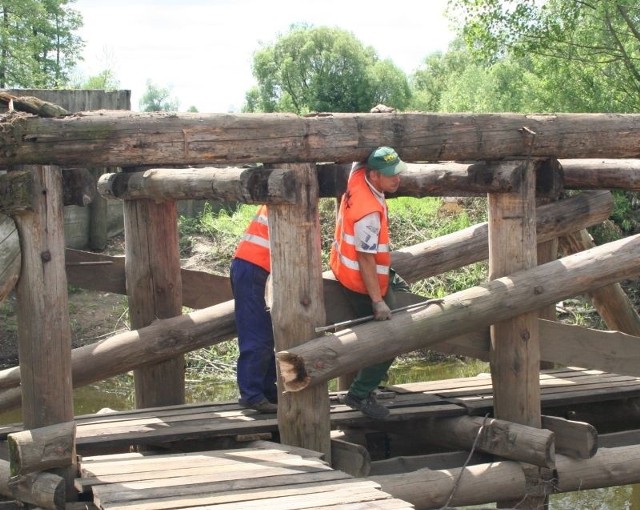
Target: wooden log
10 262
128 139
601 173
45 490
499 437
44 334
42 449
469 245
612 303
154 289
98 216
298 306
482 483
328 356
474 485
257 185
31 104
575 439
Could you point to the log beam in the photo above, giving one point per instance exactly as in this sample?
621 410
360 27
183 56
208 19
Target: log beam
328 356
601 173
256 185
112 138
43 490
498 437
482 483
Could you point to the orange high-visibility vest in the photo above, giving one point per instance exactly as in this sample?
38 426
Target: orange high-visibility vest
356 203
254 246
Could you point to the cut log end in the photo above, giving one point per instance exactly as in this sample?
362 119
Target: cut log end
292 371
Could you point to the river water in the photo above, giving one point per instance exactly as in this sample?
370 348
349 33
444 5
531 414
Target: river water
117 394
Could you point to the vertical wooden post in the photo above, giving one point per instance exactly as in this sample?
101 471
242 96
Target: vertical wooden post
298 307
98 235
515 351
154 289
44 332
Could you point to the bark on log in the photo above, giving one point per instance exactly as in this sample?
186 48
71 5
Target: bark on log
45 490
612 303
505 439
129 139
470 245
42 449
9 256
328 356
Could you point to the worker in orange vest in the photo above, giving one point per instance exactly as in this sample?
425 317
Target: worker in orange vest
256 366
361 259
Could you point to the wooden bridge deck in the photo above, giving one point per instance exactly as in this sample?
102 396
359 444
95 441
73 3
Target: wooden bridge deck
118 431
268 476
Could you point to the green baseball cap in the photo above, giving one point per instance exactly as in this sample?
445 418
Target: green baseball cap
386 161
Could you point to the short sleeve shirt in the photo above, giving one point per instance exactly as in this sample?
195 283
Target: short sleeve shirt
367 229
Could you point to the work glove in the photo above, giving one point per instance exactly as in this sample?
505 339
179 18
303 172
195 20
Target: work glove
381 311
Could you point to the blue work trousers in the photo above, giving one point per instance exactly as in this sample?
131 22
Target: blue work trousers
256 369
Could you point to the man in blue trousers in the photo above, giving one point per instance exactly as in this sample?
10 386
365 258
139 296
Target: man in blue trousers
250 268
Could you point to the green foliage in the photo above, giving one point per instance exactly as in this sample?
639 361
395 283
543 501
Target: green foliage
323 70
158 99
38 47
104 80
585 54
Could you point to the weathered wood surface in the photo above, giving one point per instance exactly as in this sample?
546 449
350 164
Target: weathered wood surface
612 303
128 139
479 484
42 449
240 479
44 334
575 439
499 437
328 356
298 306
258 185
44 490
9 256
154 289
601 173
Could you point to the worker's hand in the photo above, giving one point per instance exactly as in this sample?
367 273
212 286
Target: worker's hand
381 311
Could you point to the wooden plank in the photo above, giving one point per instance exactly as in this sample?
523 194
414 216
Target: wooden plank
575 439
240 484
149 500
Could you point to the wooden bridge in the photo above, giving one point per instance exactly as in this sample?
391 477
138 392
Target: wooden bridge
522 163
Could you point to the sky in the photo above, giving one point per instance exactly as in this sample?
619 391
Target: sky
202 50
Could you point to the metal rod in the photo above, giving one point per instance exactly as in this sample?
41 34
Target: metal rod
360 320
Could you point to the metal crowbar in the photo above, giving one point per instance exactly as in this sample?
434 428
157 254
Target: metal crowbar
360 320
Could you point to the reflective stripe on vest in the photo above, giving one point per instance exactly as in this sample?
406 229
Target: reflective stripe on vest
254 246
356 203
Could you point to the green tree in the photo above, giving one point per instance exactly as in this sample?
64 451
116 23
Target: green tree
158 99
323 69
104 80
38 46
588 50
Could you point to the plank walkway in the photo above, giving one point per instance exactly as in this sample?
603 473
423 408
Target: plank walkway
119 431
265 476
